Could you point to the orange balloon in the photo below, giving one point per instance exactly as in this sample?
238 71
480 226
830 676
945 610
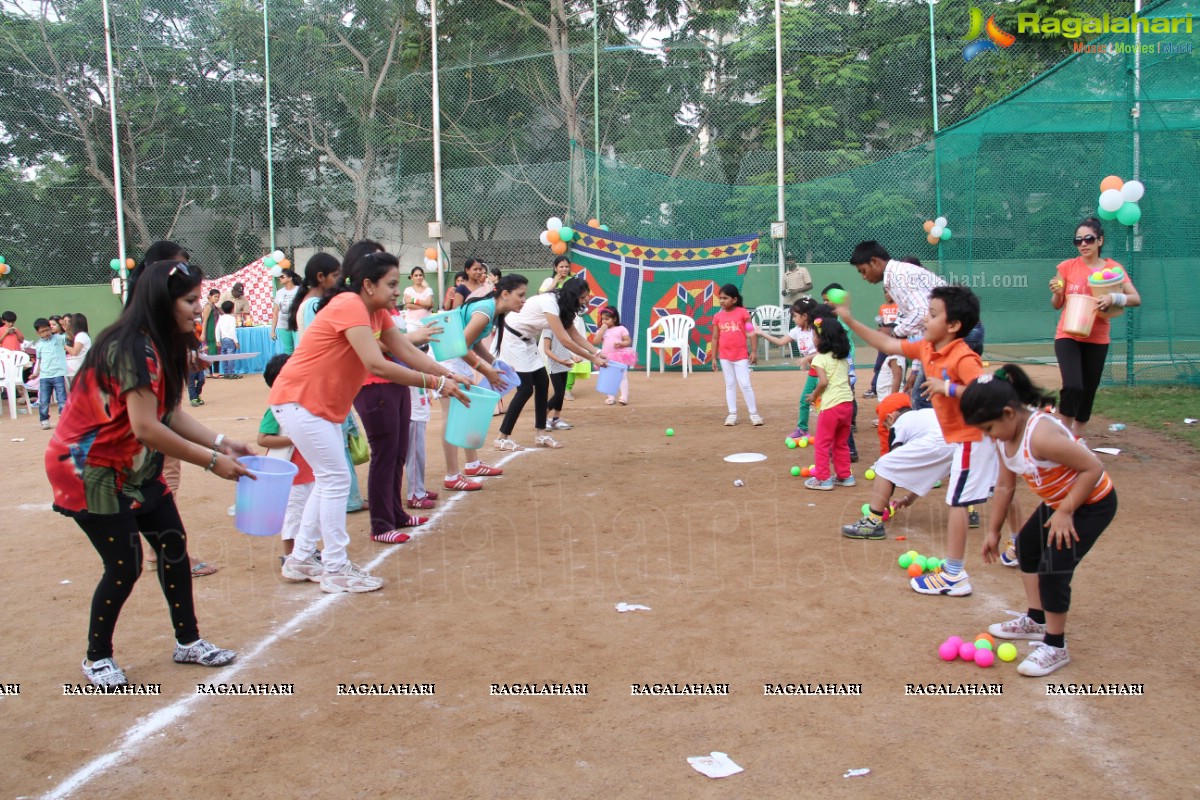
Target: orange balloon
430 253
932 239
554 238
558 248
1111 182
593 223
130 263
3 269
285 264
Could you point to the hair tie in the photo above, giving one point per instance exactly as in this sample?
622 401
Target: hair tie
817 323
1001 374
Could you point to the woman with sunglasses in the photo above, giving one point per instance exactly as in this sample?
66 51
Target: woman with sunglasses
105 460
1081 358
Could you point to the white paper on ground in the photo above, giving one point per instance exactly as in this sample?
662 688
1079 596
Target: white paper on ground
745 458
1108 451
631 607
63 583
1189 421
855 773
715 765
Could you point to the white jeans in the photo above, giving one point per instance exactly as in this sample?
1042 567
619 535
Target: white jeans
323 445
297 500
739 372
414 466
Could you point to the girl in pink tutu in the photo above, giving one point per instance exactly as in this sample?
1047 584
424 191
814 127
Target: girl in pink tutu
615 344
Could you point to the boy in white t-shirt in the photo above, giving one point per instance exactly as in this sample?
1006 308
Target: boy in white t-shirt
226 335
414 465
891 376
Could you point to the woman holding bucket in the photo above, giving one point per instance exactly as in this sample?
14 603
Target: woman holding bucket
105 459
480 316
313 394
554 311
1082 337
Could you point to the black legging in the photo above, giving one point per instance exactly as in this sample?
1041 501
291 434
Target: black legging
1055 567
558 382
1081 365
534 383
116 540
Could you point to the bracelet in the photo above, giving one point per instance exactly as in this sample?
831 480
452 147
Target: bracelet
212 462
219 440
1119 298
950 389
423 387
442 385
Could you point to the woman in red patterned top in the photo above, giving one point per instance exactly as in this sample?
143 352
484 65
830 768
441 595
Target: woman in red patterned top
1078 503
105 458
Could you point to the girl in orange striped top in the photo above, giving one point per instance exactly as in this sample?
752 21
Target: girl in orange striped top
1078 503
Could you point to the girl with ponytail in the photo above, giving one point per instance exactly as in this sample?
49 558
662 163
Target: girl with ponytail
1078 503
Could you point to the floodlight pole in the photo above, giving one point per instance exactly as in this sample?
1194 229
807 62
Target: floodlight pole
1137 171
937 165
437 148
270 145
781 210
122 272
596 98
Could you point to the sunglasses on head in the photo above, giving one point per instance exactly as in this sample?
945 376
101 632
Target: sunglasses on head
179 266
1089 239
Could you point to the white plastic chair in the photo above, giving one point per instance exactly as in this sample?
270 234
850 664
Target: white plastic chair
12 366
771 320
675 333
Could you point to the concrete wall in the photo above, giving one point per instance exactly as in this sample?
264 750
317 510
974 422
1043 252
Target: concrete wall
96 302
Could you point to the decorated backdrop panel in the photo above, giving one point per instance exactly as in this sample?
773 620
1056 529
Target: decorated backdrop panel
257 287
645 279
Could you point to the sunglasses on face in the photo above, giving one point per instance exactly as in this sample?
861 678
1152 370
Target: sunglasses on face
1089 239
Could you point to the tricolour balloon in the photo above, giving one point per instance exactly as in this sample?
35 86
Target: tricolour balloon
543 237
932 239
1111 182
553 224
1129 214
928 225
1105 214
553 236
1132 191
268 262
558 248
566 234
431 253
277 255
1111 200
940 222
936 232
946 234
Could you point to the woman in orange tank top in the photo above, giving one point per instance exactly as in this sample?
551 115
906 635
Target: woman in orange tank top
1078 503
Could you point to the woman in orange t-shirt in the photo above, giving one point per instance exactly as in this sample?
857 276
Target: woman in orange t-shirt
1081 359
314 393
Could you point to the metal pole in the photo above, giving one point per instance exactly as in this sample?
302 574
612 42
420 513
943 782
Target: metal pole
270 149
937 165
596 97
780 244
1137 173
437 146
116 154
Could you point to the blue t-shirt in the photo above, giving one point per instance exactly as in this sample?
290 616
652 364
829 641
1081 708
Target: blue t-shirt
486 307
52 356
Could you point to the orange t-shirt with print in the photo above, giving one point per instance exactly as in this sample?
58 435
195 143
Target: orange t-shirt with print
325 373
961 365
1074 273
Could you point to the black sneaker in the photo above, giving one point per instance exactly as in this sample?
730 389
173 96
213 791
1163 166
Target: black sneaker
865 528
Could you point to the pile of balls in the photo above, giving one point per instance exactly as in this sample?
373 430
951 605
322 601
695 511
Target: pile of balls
794 443
983 651
912 561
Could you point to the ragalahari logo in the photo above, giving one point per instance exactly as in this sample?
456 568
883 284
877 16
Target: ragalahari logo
985 37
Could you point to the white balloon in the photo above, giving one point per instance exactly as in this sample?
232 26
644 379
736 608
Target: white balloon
276 271
936 232
277 255
940 223
1133 191
543 238
553 224
1111 199
431 265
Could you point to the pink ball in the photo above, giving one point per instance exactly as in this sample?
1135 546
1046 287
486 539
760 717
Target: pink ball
956 641
984 658
1108 275
966 651
948 651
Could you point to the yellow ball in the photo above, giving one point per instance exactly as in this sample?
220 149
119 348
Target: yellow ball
1006 651
803 442
869 474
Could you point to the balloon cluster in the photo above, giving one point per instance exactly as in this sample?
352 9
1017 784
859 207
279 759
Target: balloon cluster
558 236
937 231
4 267
276 263
1119 200
431 259
115 264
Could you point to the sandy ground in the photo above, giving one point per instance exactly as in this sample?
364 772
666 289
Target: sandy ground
518 583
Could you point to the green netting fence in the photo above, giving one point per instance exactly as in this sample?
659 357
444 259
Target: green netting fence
673 137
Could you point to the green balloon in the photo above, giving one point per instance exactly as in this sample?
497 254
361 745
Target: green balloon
115 264
567 234
904 560
603 227
946 234
269 262
836 296
1102 214
1129 214
2 261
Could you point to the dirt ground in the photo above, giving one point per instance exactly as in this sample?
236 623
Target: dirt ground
518 583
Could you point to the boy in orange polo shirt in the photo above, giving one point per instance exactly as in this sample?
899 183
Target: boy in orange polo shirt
949 366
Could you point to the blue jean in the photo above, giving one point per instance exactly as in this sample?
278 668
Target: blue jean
195 384
46 387
228 347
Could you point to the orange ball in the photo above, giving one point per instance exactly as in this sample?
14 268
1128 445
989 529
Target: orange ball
932 239
558 248
928 225
987 636
431 253
915 570
1111 182
805 472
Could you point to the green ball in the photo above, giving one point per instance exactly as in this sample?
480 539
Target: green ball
836 296
983 644
670 431
1007 651
904 560
937 485
932 563
796 472
791 443
923 562
912 554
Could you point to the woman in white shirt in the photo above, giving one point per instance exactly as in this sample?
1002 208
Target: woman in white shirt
520 341
418 298
280 309
77 324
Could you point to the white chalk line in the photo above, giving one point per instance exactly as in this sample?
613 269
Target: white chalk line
157 721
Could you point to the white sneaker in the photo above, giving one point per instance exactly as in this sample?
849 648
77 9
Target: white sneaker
1009 557
104 673
206 654
1043 660
310 569
350 578
756 420
1021 626
731 419
45 424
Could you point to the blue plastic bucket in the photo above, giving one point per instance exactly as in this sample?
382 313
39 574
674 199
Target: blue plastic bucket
468 427
508 375
452 341
608 379
262 504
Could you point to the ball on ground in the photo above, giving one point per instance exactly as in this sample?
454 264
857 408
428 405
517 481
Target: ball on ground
1007 651
985 658
805 471
966 651
915 570
956 639
983 644
803 442
923 562
796 472
670 431
985 635
913 554
790 442
948 651
932 563
904 561
869 474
